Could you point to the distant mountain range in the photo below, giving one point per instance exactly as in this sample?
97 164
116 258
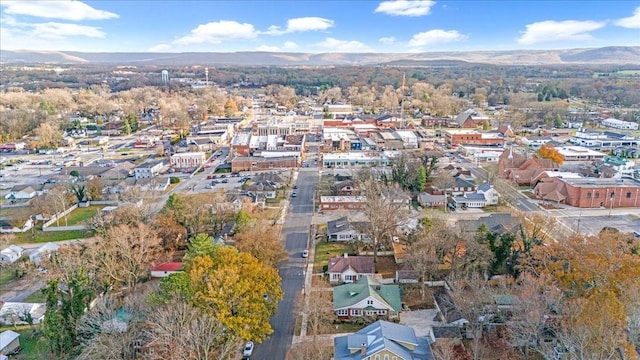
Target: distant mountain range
614 55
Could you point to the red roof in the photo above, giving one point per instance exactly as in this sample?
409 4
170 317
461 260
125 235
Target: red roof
170 266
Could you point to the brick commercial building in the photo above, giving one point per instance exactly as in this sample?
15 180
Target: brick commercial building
590 192
337 203
253 163
457 137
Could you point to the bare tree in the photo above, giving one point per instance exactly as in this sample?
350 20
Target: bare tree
179 331
384 212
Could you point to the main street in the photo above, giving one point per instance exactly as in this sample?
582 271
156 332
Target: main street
296 236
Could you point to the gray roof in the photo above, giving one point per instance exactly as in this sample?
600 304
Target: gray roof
149 164
382 335
463 116
469 197
484 187
343 224
448 308
499 223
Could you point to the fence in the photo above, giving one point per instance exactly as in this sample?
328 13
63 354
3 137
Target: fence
65 228
57 216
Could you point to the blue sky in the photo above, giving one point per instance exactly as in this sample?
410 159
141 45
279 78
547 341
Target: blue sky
316 26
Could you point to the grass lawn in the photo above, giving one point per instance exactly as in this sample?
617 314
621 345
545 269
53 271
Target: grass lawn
33 345
36 297
326 250
51 236
6 276
80 215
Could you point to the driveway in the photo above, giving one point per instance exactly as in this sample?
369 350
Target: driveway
420 320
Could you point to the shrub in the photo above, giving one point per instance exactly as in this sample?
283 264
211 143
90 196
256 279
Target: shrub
174 180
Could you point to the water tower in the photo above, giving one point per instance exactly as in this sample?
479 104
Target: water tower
165 77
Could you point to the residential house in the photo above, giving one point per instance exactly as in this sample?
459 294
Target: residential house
158 183
489 192
148 169
23 192
14 313
344 230
347 269
11 254
427 200
166 269
498 223
399 198
342 203
263 189
367 297
346 188
382 340
9 342
448 312
468 200
43 252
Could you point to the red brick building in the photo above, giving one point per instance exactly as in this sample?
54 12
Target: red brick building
457 137
342 203
253 163
590 192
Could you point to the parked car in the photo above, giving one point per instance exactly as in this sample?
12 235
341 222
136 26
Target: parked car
305 253
248 350
224 181
294 194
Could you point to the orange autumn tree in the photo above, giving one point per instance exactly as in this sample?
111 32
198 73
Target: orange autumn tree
547 151
599 278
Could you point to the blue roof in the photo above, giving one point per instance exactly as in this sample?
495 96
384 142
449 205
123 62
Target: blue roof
399 339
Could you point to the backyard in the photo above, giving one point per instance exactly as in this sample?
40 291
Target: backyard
326 250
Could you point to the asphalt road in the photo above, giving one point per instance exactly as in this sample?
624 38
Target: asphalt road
296 235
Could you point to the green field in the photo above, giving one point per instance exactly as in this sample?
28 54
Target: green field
36 297
33 345
6 276
80 215
39 236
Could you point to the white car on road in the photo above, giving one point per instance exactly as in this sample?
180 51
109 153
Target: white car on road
248 350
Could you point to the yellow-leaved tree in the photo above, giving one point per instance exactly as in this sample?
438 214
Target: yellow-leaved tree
234 287
547 151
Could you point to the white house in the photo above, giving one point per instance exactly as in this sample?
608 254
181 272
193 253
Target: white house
148 170
22 192
344 230
14 313
42 252
11 254
9 341
619 124
490 194
166 269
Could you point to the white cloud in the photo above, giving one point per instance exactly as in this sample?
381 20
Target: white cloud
335 45
550 31
290 45
406 7
217 32
301 25
65 10
436 36
631 22
160 48
54 30
387 40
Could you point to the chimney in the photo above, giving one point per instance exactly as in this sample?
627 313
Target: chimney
363 349
346 255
